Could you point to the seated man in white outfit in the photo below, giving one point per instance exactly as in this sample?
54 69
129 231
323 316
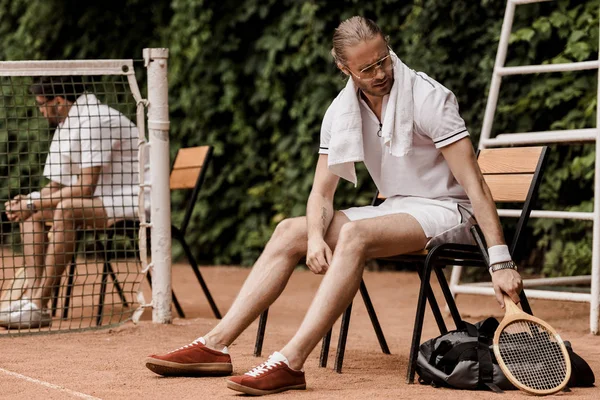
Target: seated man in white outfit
416 148
92 166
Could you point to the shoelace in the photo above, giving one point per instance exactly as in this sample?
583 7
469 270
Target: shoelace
195 342
262 368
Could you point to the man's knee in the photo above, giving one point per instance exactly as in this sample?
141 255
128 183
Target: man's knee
291 234
352 238
291 228
64 212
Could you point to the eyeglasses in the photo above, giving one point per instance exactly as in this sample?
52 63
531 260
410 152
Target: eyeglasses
370 71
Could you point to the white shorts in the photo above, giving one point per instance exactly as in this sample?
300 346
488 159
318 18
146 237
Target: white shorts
434 216
120 207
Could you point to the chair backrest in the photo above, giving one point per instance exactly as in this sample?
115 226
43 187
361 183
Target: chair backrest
188 172
513 176
188 167
510 172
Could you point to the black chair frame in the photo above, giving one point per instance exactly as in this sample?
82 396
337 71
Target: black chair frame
453 254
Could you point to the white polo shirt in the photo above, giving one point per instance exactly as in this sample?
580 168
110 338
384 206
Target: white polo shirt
424 172
95 135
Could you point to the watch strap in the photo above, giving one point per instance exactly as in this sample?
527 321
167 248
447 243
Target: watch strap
30 204
503 265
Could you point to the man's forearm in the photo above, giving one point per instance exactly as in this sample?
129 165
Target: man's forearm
51 196
487 216
51 187
319 213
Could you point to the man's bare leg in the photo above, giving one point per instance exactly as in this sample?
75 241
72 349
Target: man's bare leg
269 277
359 240
34 241
68 216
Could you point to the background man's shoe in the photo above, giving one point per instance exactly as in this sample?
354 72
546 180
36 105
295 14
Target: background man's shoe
194 359
27 316
11 307
272 376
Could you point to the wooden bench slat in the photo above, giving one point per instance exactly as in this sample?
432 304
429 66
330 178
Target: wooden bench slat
191 157
184 178
509 160
509 188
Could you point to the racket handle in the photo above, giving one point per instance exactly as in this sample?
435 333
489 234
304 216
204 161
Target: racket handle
510 306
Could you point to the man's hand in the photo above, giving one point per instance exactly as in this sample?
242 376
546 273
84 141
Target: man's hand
16 209
318 256
507 281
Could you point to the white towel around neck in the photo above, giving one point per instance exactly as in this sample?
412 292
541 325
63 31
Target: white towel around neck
346 144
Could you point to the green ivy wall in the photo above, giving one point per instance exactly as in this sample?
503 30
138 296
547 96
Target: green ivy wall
254 78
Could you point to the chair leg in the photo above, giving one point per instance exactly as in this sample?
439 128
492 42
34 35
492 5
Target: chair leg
260 334
339 358
102 296
325 349
435 309
69 293
72 266
418 327
116 283
107 251
173 296
373 316
55 293
194 265
458 322
525 303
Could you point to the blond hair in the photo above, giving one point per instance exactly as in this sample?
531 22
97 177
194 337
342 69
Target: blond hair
351 32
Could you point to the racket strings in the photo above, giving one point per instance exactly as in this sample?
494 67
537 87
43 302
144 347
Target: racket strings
533 355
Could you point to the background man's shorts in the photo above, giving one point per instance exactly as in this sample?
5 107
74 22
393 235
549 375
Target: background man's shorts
434 216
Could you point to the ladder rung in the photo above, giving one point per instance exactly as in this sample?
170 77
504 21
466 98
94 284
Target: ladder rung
527 1
534 69
580 215
573 135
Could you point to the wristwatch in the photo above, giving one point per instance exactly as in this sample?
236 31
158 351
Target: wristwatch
30 204
503 265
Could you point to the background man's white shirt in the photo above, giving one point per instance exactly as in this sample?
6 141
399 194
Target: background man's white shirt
95 135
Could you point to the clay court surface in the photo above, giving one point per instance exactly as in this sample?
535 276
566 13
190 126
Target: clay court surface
108 363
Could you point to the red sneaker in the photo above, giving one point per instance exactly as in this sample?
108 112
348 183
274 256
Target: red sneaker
194 359
272 376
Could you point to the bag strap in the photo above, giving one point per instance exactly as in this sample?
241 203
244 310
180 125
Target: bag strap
487 327
451 357
486 368
451 352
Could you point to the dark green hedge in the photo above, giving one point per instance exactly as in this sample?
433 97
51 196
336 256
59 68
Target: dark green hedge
254 78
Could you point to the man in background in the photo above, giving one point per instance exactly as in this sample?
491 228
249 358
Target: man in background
92 166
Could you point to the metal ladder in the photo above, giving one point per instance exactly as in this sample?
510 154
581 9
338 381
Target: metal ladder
547 137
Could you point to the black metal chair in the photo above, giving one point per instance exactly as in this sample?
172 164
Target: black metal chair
513 175
188 172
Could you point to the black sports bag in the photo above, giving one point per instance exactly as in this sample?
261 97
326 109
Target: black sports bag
464 359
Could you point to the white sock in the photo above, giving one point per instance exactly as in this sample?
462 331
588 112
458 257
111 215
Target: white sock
278 357
201 339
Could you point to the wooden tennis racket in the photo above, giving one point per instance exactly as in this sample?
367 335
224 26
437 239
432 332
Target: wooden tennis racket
530 352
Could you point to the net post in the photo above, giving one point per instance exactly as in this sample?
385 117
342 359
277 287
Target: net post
158 131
